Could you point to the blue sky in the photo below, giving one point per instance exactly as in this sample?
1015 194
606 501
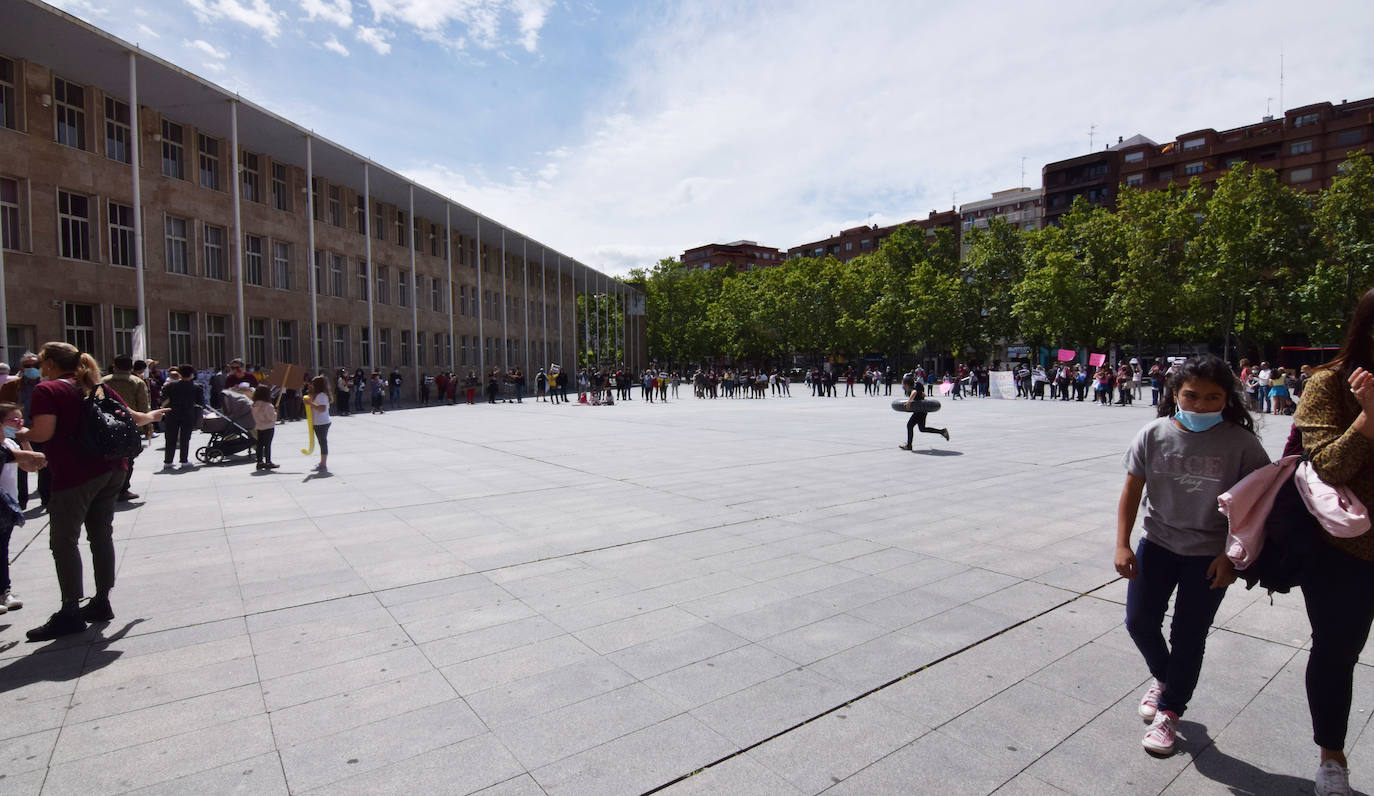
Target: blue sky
623 132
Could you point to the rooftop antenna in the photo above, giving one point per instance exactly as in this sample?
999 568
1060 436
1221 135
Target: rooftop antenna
1281 108
1092 128
1023 171
1267 113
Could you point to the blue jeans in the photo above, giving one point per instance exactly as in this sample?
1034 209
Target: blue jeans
1178 663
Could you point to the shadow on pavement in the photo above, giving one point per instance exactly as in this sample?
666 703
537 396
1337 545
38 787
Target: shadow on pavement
63 659
1238 776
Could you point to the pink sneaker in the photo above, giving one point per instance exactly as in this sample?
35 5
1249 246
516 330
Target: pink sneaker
1150 702
1159 741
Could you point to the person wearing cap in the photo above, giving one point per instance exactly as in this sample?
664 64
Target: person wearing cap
134 392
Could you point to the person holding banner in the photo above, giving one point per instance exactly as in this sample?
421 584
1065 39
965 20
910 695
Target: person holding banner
916 391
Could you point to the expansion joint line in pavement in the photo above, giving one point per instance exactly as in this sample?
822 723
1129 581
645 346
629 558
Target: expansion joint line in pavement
871 691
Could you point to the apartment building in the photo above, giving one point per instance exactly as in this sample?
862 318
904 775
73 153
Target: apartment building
1022 208
146 211
741 255
852 242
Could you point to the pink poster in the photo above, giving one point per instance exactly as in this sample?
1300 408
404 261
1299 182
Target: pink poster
1096 359
945 387
1065 355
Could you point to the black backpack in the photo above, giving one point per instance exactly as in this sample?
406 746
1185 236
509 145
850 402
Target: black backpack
108 429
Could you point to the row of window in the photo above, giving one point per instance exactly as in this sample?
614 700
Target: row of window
275 341
1292 176
1343 138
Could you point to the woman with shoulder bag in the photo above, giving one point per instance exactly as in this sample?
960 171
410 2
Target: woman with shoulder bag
84 486
1336 420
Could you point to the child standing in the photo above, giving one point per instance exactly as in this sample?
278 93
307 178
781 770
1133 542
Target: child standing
13 418
1202 443
265 423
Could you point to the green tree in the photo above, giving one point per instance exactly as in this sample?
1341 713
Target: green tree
994 259
1159 232
1344 223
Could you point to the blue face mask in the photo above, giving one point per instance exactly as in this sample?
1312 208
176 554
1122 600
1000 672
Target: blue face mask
1197 421
30 373
11 432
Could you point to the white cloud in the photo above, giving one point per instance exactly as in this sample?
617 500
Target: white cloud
484 23
376 38
256 14
340 12
333 46
213 66
208 49
786 122
147 31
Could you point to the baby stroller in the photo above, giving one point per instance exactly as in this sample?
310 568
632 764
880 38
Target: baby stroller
226 438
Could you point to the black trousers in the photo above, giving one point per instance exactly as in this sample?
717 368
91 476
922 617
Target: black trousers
176 437
264 452
1339 592
918 420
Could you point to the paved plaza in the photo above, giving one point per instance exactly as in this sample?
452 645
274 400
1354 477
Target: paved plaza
703 597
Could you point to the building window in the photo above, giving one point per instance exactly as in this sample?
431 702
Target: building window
9 213
439 351
319 272
434 240
69 102
322 346
1300 147
315 210
209 162
436 294
121 234
335 207
216 340
179 337
405 347
1134 157
383 291
252 260
362 280
7 94
74 225
214 253
365 346
360 216
1135 179
173 151
125 321
1194 143
79 326
402 291
1193 168
336 276
248 184
866 243
420 349
1348 137
383 347
340 344
400 228
176 246
1165 176
257 341
849 245
281 265
462 299
1300 175
1307 119
286 341
281 193
117 133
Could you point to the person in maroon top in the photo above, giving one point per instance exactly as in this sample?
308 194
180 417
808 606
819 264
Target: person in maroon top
84 486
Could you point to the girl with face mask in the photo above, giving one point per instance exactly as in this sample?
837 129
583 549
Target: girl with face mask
1202 443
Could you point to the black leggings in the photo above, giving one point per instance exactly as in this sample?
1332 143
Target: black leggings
322 436
918 420
265 444
1339 592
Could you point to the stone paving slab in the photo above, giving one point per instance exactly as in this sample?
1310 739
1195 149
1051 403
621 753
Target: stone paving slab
740 596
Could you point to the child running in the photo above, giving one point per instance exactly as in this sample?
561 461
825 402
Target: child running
916 391
1202 443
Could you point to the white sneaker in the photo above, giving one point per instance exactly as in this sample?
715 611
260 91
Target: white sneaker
1149 703
1332 779
1162 737
10 601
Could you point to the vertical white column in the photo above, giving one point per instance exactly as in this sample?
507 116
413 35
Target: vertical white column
134 146
560 310
371 287
481 306
505 306
238 228
448 298
312 278
414 299
525 297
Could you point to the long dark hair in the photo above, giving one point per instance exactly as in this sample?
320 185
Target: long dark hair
1357 350
1208 367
